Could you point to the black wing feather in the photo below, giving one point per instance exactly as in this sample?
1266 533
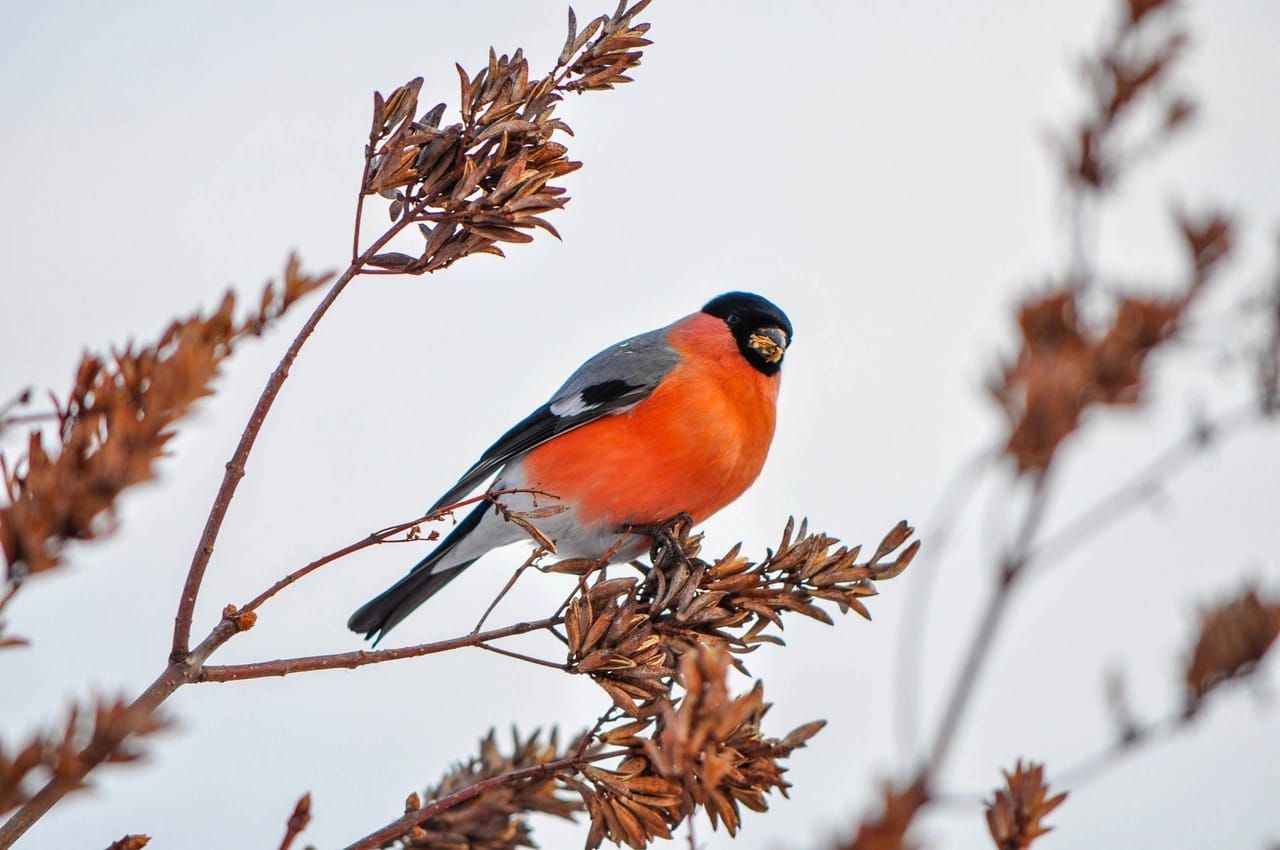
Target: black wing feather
540 426
611 381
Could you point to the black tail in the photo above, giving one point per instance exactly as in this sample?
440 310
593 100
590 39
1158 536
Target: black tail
380 614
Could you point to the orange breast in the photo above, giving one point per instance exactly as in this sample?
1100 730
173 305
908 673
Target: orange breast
693 446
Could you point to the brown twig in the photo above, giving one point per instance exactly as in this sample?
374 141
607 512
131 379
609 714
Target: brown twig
235 468
359 658
382 535
520 656
506 588
297 821
28 419
402 825
173 677
11 592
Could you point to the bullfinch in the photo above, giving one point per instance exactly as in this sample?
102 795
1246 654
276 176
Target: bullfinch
674 421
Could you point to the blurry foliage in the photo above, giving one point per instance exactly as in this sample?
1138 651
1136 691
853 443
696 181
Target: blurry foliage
1066 365
1015 813
1234 637
102 731
887 829
116 422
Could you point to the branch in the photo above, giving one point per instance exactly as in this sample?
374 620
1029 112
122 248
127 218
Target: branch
374 538
402 825
235 467
359 658
1013 567
913 628
173 677
1119 502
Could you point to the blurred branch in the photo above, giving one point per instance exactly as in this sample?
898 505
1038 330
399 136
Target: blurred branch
144 706
102 731
1234 637
21 399
28 419
1011 569
116 422
8 642
1117 504
913 628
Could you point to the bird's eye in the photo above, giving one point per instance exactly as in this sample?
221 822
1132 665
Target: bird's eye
733 319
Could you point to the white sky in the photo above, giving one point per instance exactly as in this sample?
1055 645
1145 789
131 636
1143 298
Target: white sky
877 168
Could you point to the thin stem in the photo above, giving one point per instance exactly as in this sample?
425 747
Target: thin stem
520 656
173 677
587 737
1091 767
235 468
979 648
1115 505
355 229
515 576
382 535
28 418
359 658
912 633
14 586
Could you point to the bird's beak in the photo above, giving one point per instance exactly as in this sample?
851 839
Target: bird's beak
770 343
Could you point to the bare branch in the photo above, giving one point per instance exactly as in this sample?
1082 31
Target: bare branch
359 658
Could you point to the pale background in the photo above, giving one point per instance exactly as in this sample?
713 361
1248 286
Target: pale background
878 168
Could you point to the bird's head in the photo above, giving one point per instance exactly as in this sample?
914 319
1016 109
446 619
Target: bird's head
760 328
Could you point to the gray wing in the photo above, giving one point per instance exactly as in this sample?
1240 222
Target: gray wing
612 381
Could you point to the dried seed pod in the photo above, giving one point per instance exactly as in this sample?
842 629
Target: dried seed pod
1015 812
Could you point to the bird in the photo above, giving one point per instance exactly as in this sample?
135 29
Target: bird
674 422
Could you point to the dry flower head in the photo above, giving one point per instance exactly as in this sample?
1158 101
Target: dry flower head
1015 812
1066 365
704 750
496 819
887 830
629 633
116 423
1234 637
486 179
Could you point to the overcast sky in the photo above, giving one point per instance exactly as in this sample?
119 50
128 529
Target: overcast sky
877 168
